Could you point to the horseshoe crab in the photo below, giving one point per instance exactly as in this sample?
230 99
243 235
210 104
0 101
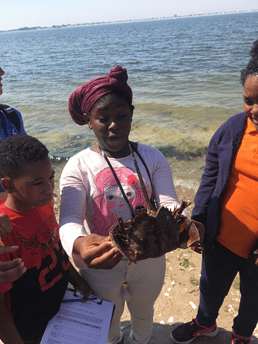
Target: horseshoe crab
152 233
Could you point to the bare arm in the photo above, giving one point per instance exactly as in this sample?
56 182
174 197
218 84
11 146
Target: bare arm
8 331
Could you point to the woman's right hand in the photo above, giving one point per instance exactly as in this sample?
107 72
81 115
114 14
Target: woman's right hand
97 252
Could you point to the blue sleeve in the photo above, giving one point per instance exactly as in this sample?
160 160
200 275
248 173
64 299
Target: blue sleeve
22 130
208 182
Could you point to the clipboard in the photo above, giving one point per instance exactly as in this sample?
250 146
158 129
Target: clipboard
78 322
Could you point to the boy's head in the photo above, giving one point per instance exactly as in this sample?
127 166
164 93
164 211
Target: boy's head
26 172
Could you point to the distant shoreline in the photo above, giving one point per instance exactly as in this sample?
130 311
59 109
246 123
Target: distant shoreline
126 21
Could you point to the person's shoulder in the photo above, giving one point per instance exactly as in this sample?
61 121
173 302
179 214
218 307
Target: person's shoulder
147 149
85 152
152 156
12 115
234 124
78 156
2 208
46 211
10 108
238 120
17 112
9 212
77 161
242 117
47 208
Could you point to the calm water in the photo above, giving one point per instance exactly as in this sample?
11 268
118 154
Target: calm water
184 74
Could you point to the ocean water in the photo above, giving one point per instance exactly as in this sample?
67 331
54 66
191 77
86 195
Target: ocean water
184 74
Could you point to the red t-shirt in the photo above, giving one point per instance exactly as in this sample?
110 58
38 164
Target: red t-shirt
37 295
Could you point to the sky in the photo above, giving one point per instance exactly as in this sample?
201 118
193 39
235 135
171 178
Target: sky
15 14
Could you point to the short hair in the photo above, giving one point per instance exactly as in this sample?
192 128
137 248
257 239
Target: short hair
17 150
252 66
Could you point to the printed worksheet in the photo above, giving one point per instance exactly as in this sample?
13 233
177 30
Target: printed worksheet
78 322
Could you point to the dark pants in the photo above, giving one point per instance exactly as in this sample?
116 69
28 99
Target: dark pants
219 268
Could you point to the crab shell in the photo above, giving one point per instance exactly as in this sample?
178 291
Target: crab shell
152 234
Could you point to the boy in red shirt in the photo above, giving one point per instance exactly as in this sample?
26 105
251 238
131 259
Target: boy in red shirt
29 303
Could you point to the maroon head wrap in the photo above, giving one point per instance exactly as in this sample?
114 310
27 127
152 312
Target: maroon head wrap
83 98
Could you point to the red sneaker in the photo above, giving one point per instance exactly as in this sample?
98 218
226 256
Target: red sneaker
237 339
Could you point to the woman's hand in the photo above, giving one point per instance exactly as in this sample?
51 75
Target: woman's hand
97 252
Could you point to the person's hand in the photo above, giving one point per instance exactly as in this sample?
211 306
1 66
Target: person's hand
97 252
79 283
5 226
199 245
85 290
256 259
9 271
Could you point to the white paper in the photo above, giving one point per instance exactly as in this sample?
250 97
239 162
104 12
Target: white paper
78 322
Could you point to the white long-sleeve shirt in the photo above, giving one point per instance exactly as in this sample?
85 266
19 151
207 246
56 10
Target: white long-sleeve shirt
91 200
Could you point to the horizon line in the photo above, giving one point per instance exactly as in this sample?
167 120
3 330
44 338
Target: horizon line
175 16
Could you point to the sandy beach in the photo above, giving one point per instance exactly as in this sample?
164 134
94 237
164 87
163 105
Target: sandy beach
179 298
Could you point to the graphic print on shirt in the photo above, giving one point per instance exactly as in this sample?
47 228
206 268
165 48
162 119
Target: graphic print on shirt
42 287
110 203
52 272
43 241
